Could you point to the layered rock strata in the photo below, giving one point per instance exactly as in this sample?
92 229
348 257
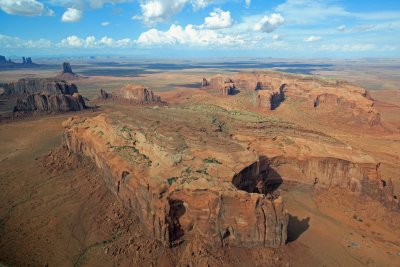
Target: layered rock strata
39 85
215 176
348 100
133 93
50 103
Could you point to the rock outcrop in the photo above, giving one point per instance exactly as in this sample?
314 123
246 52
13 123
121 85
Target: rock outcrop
225 86
67 73
131 93
50 103
345 99
216 175
44 95
30 86
270 99
9 64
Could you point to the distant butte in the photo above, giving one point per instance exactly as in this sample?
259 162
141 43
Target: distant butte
67 73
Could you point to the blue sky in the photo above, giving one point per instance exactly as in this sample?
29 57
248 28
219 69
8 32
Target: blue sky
210 28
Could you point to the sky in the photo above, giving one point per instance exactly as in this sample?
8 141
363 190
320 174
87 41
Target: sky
202 28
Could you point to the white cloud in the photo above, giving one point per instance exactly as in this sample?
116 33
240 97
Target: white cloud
72 15
9 42
25 8
156 11
190 36
312 38
341 28
198 4
218 19
269 24
74 41
248 2
83 4
105 23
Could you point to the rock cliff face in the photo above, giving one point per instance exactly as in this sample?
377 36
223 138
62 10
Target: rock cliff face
50 103
31 86
178 197
132 93
347 100
225 86
45 95
271 99
215 176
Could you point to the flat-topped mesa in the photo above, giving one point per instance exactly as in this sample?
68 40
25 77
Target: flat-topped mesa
29 86
346 100
203 177
131 93
180 186
50 103
67 73
45 95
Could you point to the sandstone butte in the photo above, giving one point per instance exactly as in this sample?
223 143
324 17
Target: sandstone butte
215 175
131 93
44 95
270 89
67 73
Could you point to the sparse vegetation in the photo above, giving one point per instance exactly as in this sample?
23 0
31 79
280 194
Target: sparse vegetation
211 160
172 180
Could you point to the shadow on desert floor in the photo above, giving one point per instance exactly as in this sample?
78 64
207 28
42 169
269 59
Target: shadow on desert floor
296 227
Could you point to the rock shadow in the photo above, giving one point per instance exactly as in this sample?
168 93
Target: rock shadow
296 227
258 177
177 210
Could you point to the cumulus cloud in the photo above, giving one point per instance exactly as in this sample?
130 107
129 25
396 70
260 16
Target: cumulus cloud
105 23
190 36
312 38
74 41
155 11
72 15
7 42
82 4
218 19
25 8
248 2
269 23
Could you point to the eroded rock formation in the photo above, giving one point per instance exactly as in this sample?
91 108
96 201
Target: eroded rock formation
67 73
225 86
132 93
347 100
50 103
216 175
39 85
